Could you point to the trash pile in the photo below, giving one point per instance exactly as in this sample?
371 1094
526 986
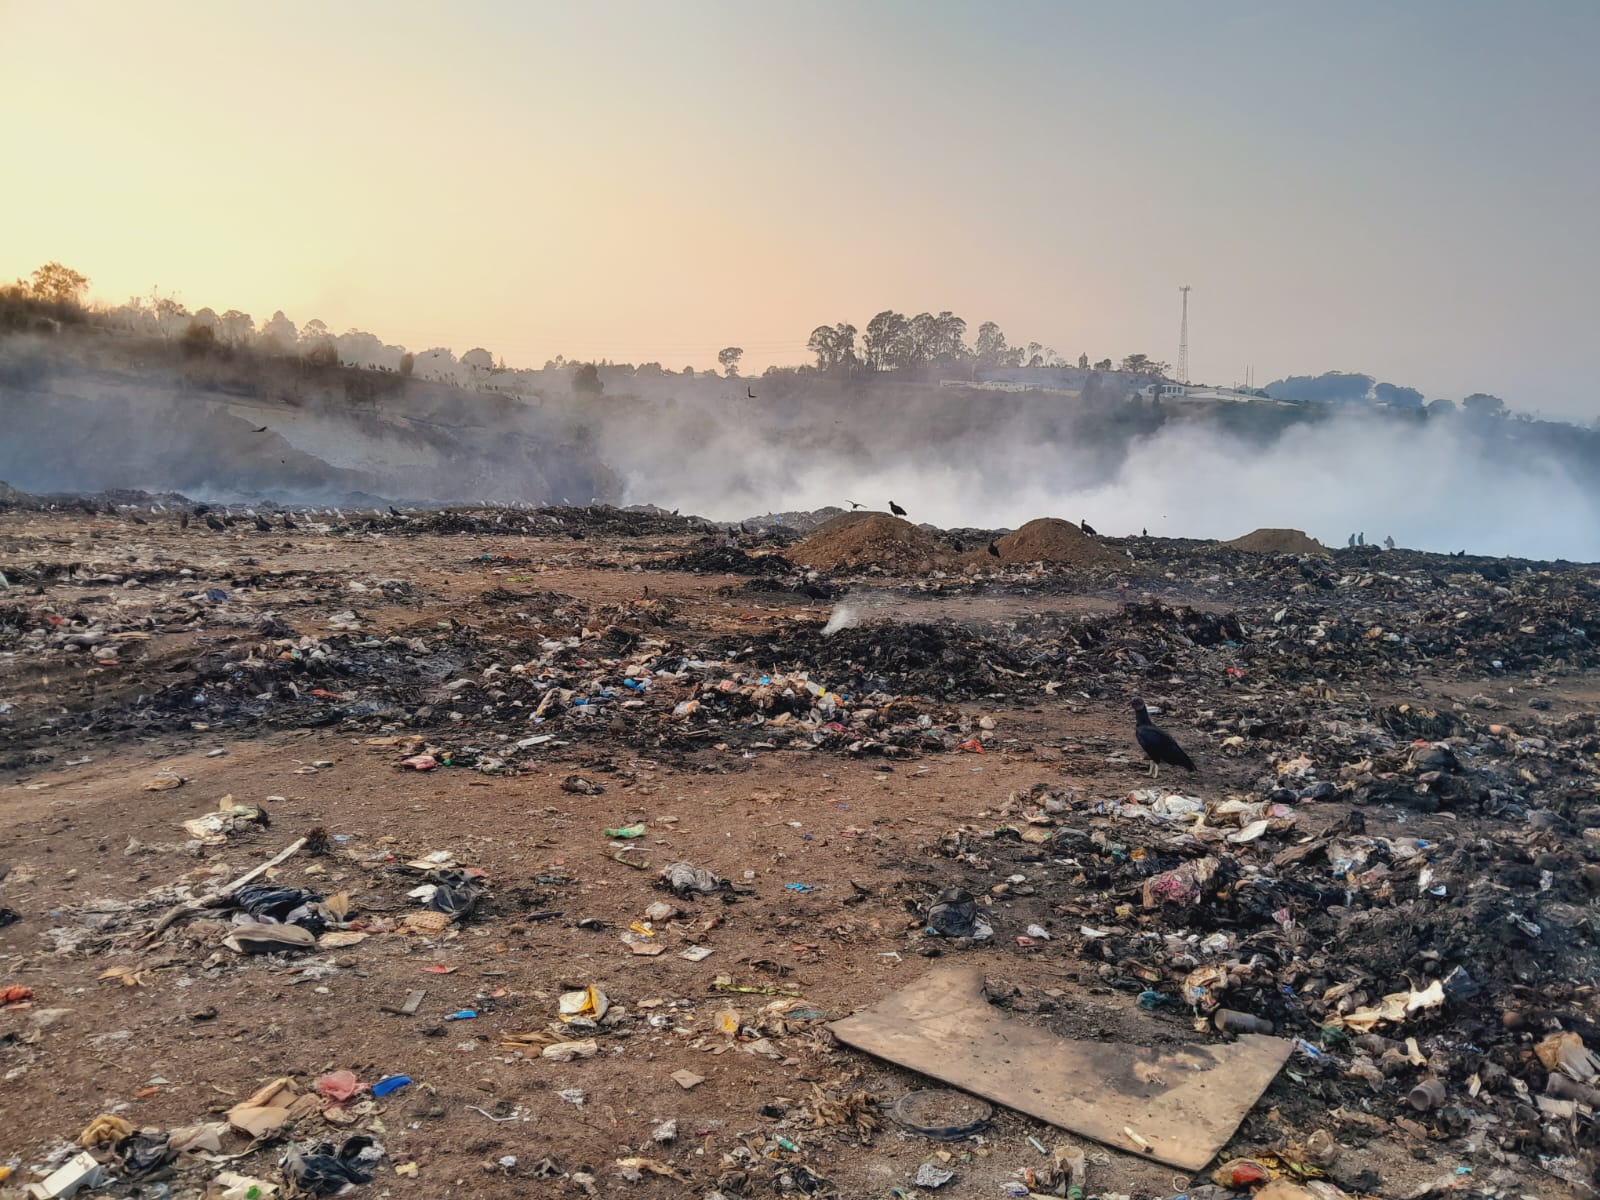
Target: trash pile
1437 983
1386 864
314 1154
869 540
1052 540
1277 541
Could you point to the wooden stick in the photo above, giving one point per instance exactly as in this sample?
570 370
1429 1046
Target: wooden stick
287 852
220 898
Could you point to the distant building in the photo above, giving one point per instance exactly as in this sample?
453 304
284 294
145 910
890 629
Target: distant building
1163 391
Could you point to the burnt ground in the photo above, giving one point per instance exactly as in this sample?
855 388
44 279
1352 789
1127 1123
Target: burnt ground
1408 742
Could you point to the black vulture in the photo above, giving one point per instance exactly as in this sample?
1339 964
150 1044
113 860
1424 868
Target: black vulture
1157 743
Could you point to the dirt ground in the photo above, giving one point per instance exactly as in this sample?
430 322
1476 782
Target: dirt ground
832 857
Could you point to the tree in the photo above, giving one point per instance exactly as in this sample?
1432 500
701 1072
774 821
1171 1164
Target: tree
1103 365
198 340
834 346
1396 396
729 357
586 380
316 343
279 333
58 284
1083 362
1441 407
888 341
478 358
236 327
1331 387
1142 364
408 362
171 317
990 347
924 339
844 338
949 332
1481 404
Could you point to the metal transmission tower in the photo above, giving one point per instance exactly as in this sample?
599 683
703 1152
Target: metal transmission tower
1183 338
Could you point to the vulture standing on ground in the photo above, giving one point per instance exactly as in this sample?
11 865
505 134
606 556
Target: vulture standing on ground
1157 743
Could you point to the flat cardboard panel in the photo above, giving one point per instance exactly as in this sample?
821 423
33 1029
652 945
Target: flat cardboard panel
1185 1102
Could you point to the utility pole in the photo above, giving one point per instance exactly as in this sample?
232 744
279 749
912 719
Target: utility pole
1183 338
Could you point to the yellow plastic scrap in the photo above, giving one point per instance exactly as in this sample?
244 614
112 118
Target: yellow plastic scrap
1565 1052
590 1004
103 1129
1394 1008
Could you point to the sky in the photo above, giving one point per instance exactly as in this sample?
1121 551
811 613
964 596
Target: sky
1407 190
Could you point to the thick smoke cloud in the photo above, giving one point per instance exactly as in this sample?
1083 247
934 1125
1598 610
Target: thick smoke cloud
84 418
1441 483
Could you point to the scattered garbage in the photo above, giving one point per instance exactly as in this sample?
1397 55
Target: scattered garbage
1386 866
930 1176
81 1171
943 1115
684 879
323 1169
338 1086
954 914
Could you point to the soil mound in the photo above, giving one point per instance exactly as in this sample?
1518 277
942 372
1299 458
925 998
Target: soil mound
1278 541
868 540
1050 539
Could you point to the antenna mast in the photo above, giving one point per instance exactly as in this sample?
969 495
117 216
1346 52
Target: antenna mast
1183 338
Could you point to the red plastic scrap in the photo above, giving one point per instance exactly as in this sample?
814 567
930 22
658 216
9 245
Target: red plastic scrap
338 1086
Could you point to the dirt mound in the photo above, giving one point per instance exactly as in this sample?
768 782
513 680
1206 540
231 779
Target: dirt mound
868 540
1050 539
1278 541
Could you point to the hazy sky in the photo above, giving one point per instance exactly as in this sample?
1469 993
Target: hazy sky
1407 189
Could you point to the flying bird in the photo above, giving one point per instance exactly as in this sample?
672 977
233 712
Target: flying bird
994 550
896 509
263 429
1087 528
1157 743
854 504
